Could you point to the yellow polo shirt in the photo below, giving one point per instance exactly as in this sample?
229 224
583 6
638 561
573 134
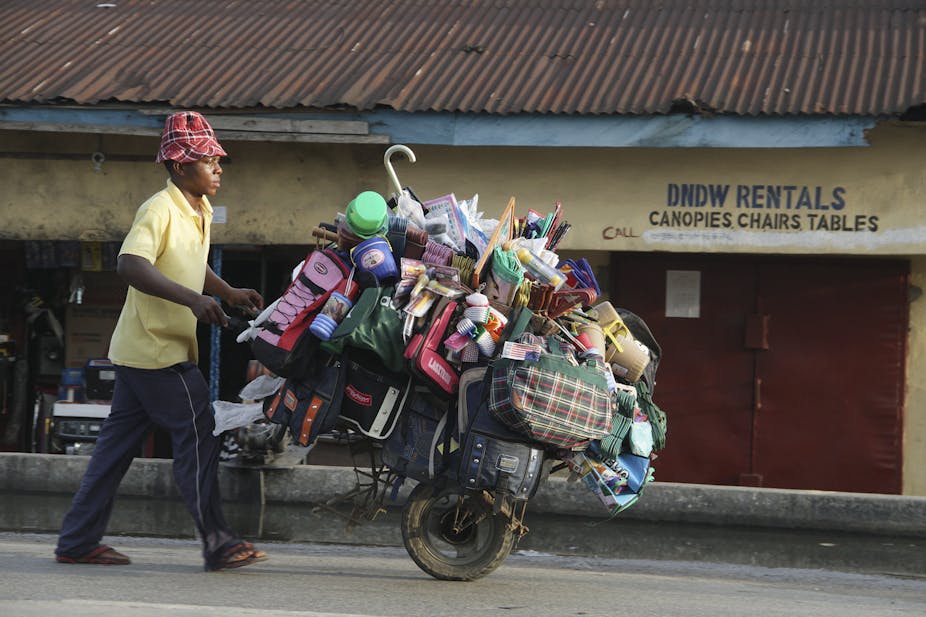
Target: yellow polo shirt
153 333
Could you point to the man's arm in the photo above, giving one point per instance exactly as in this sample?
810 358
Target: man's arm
247 299
143 276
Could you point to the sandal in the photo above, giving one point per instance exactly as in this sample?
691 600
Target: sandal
235 555
102 555
256 553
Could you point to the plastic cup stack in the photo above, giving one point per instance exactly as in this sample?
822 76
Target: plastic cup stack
477 314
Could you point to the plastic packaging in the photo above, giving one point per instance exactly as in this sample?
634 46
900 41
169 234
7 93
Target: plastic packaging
504 278
260 388
540 270
230 416
444 211
409 208
641 438
477 299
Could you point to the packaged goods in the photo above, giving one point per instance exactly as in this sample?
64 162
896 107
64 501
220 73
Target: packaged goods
466 345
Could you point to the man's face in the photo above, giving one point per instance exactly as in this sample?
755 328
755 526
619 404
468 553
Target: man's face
202 177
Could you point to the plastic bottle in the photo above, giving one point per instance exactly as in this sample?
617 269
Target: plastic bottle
539 269
334 311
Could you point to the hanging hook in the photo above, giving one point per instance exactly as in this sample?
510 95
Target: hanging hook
388 163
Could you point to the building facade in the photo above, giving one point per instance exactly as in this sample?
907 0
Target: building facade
737 182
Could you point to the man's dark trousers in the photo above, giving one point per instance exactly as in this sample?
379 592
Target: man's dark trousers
176 399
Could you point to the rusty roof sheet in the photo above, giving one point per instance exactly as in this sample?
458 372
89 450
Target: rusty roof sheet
493 56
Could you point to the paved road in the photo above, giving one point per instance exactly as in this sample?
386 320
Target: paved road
332 580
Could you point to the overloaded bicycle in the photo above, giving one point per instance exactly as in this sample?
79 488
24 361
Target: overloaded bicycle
473 475
468 359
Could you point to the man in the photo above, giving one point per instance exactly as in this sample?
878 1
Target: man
154 348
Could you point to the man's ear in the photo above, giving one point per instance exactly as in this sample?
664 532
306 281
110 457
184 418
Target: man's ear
174 168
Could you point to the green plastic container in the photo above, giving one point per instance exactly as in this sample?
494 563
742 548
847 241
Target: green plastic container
367 214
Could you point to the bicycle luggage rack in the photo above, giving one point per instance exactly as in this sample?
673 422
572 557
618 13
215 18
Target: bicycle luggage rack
374 483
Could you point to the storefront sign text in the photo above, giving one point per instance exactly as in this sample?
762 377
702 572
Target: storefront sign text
759 207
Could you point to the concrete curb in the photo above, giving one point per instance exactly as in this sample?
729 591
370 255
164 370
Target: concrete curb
662 502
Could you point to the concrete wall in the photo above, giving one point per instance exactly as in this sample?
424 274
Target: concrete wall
661 502
617 199
914 444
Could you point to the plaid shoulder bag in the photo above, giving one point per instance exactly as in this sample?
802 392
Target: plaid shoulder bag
554 400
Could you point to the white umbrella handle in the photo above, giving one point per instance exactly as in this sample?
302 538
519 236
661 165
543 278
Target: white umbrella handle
388 163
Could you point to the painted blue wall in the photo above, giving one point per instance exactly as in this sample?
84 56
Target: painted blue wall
535 130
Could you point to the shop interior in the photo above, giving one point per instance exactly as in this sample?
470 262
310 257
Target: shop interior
59 303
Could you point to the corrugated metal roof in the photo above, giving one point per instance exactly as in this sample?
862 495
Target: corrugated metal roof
495 56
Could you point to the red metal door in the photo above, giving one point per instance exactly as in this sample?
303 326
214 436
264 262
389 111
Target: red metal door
828 413
790 377
705 380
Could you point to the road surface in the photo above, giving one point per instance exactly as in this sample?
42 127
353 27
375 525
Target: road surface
345 581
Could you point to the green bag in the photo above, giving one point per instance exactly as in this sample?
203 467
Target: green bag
518 323
372 325
657 417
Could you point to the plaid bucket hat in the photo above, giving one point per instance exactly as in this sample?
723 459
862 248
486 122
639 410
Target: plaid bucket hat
187 137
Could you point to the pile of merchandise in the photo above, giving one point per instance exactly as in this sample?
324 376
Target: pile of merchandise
414 293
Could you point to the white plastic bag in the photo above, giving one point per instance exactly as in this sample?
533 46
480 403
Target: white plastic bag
230 416
407 207
262 387
253 328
